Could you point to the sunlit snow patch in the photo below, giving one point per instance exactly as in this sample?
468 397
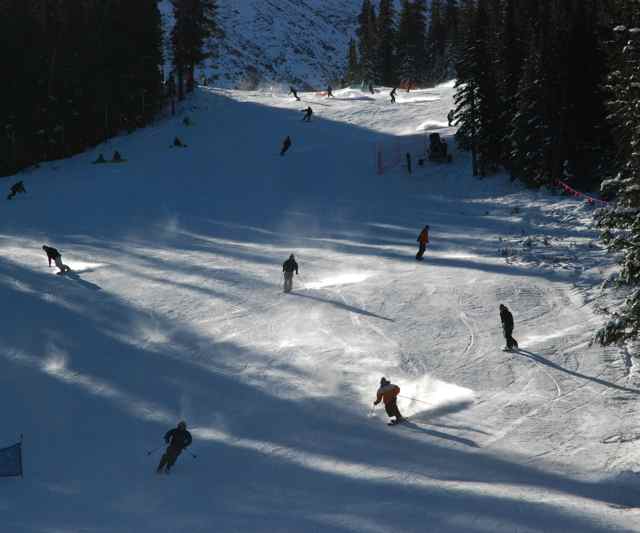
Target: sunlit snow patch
340 279
81 266
432 125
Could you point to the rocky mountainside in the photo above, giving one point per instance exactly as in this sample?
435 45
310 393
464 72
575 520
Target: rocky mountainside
303 42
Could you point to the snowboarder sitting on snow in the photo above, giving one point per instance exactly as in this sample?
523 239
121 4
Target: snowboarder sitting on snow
53 254
288 267
423 239
286 144
507 327
15 189
388 393
329 92
450 117
117 157
294 93
307 114
392 94
177 142
177 439
100 160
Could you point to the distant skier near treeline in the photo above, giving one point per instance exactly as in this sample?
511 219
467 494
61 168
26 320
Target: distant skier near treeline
307 114
53 254
392 94
178 439
286 144
16 188
507 327
388 393
329 92
288 268
423 240
294 93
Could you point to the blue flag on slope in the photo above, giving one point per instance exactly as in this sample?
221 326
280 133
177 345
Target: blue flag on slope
11 461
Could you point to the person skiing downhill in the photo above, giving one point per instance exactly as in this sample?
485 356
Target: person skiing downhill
392 94
423 239
507 327
53 254
286 144
307 114
16 188
288 267
177 439
329 92
388 393
294 93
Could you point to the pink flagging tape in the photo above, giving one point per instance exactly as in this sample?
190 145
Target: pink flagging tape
578 194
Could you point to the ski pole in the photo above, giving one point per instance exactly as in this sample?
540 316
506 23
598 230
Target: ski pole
414 399
155 449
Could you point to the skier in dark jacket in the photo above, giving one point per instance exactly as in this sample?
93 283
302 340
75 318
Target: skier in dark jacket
329 92
53 254
15 189
450 117
371 90
392 94
286 144
294 93
289 267
388 392
177 439
307 114
507 327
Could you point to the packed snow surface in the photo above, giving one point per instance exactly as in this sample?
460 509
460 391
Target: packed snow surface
175 310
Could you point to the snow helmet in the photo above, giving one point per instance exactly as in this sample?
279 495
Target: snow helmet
383 381
291 257
182 424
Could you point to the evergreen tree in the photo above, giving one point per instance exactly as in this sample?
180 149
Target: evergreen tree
411 42
195 22
436 41
621 222
353 67
367 41
386 34
477 103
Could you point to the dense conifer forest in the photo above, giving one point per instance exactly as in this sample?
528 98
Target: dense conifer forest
77 73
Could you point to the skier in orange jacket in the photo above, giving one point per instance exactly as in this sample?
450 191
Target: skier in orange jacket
423 239
388 392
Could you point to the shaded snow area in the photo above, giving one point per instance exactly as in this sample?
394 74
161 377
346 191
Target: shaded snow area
303 42
176 311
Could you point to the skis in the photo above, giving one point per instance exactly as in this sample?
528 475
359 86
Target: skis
396 422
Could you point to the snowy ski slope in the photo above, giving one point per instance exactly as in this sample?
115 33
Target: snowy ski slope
175 310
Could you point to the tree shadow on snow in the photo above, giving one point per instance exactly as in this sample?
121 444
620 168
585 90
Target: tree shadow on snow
341 305
439 434
82 282
551 364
